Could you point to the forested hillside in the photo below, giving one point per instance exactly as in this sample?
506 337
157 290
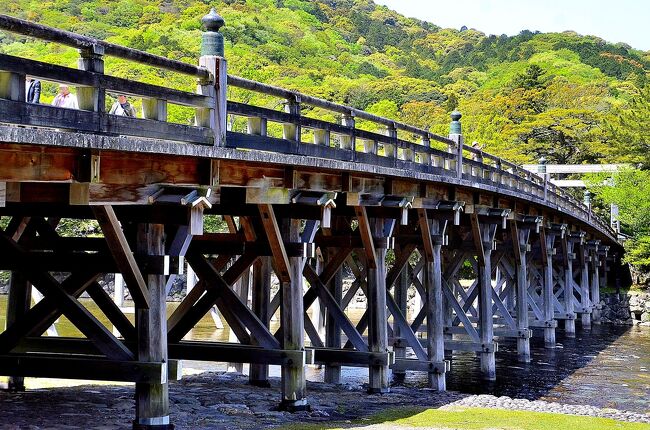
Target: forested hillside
567 97
522 97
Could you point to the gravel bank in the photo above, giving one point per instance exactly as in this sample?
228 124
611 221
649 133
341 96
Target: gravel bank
225 401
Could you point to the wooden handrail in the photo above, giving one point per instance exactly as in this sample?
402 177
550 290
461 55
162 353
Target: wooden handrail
43 32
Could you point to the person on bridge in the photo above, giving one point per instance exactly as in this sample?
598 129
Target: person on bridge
33 91
122 107
65 98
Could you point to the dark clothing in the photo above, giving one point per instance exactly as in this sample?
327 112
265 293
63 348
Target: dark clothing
34 91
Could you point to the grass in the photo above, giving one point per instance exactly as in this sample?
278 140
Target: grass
457 418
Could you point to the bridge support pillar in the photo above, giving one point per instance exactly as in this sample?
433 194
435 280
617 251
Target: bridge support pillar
261 296
291 314
585 302
333 329
484 234
595 288
18 302
401 289
520 242
152 399
434 303
377 311
547 242
569 322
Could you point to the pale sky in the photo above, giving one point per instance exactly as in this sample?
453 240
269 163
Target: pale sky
625 21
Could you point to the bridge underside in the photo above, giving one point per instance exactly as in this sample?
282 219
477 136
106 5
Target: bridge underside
480 263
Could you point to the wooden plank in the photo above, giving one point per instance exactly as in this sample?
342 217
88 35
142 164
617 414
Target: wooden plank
121 251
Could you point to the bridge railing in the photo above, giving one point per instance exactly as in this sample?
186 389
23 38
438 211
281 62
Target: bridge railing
387 146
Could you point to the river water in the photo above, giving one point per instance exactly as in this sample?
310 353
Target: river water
606 367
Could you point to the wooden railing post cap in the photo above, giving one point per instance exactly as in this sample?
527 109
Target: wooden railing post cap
212 40
455 127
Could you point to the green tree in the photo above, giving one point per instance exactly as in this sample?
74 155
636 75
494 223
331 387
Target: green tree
629 189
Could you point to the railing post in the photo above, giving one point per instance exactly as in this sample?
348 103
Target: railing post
155 109
91 98
291 131
390 149
455 134
12 86
257 126
541 169
425 157
212 58
348 142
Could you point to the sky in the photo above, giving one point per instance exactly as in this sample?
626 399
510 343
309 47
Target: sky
625 21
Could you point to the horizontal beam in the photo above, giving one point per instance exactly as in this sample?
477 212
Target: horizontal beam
91 368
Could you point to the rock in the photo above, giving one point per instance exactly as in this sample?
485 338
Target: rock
645 317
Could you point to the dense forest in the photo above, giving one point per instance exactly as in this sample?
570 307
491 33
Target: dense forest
567 97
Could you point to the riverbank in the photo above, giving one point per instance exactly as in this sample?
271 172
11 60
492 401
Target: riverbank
217 400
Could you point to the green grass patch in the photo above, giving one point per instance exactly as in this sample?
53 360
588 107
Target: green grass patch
479 419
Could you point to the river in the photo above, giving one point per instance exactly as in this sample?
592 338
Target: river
606 367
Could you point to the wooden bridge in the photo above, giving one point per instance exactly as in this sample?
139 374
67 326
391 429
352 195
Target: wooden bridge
304 198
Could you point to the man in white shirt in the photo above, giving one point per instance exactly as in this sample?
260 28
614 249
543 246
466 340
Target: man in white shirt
65 98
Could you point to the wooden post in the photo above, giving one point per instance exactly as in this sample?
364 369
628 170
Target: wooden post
595 288
483 239
569 322
152 399
377 312
18 303
118 290
155 109
348 141
212 58
322 137
241 288
259 373
455 134
435 311
91 98
257 126
291 315
401 290
333 328
292 131
390 149
547 243
519 243
585 302
12 86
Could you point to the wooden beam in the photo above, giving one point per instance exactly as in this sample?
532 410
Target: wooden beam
366 236
280 259
119 248
91 368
